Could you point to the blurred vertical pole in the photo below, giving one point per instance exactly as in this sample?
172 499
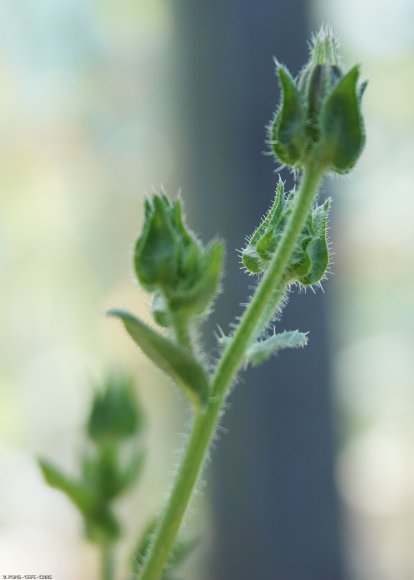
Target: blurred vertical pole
273 492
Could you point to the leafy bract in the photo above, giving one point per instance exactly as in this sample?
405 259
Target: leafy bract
178 363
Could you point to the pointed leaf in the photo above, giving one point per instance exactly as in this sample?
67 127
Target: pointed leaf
263 241
343 134
261 350
288 128
179 364
76 492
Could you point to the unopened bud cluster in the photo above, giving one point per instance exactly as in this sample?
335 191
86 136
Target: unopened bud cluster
310 258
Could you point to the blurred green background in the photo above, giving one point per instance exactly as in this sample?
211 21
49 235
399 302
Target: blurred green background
88 115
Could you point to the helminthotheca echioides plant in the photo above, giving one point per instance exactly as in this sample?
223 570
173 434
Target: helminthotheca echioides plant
317 130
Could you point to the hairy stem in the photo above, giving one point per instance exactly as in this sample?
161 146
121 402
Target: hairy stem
269 313
107 561
205 422
182 332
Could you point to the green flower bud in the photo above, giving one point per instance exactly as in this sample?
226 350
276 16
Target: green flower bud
310 258
317 248
115 413
320 111
157 252
172 263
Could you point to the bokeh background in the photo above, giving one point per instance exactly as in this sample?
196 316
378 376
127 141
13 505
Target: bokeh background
100 102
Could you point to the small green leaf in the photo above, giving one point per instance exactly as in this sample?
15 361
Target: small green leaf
287 132
100 523
177 363
79 494
262 350
342 129
263 241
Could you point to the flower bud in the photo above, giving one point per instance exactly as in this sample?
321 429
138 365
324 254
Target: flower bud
310 258
115 413
171 263
319 115
157 252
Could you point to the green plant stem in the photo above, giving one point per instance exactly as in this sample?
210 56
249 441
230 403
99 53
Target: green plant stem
107 561
205 422
270 311
182 332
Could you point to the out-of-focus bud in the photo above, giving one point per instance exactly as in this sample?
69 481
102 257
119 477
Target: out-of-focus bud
106 470
320 111
115 413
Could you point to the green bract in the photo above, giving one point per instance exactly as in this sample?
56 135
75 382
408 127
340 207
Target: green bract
310 258
320 112
176 362
288 135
